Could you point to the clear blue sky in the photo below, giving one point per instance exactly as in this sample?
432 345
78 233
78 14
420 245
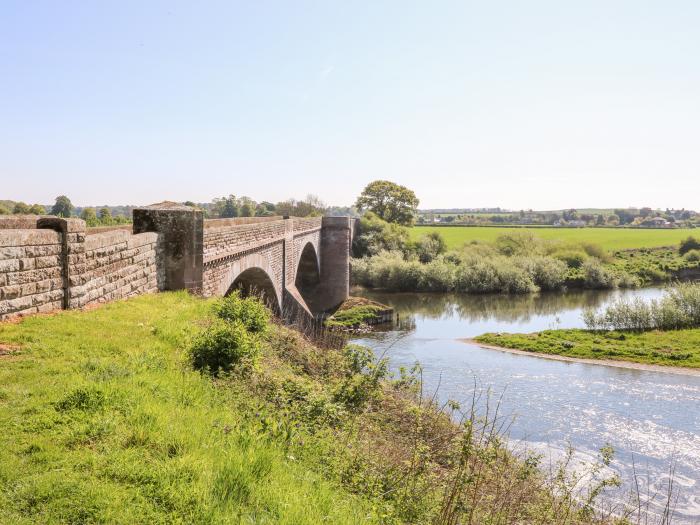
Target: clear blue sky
520 104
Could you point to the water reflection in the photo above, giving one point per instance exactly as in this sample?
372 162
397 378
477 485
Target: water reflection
650 418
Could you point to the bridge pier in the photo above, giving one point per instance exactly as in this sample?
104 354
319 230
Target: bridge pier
336 238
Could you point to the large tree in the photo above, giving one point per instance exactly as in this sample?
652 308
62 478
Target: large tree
390 201
63 207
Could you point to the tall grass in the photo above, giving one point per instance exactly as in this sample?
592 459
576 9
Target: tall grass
679 308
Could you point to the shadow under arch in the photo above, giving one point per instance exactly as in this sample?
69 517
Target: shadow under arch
256 282
308 276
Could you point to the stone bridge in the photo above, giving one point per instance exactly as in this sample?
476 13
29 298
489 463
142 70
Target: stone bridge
299 265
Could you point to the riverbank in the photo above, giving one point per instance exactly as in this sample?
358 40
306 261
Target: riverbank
676 349
602 362
104 420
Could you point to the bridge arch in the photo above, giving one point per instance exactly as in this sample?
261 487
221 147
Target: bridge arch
307 276
253 275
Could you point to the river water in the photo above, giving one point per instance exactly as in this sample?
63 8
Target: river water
652 419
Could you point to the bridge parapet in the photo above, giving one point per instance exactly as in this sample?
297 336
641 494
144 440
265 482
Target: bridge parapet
301 265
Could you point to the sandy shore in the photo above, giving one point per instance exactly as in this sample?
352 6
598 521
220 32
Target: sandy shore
604 362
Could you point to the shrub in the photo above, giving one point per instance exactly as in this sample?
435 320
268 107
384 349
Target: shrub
595 250
520 243
572 258
222 346
363 381
430 246
692 256
250 311
596 276
545 272
678 308
691 243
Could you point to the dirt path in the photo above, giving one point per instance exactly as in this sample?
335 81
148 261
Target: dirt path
679 370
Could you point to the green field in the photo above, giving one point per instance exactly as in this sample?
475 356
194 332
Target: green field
609 238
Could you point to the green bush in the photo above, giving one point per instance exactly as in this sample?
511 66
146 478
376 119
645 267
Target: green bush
363 381
250 311
679 308
596 276
430 246
572 258
691 243
222 346
692 256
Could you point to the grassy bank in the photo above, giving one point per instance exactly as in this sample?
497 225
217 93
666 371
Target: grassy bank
610 239
105 421
356 312
672 348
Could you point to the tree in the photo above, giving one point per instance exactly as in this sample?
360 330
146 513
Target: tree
63 207
37 209
570 215
646 212
624 216
390 201
246 207
89 216
265 209
21 208
4 210
105 215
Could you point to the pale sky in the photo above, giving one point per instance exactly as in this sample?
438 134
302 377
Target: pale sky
523 104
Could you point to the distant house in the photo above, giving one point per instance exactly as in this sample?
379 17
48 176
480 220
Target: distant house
657 222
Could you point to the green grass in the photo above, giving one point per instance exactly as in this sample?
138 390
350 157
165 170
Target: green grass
104 422
670 348
608 238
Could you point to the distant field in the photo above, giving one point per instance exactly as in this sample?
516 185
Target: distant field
608 238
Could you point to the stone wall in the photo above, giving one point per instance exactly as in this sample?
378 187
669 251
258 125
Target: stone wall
222 240
30 271
52 264
116 265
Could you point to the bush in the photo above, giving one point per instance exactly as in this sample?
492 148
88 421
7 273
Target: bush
521 243
691 243
595 250
692 256
546 272
430 246
679 308
250 311
572 258
223 346
596 276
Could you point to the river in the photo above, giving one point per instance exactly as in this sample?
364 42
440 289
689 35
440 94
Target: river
651 419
